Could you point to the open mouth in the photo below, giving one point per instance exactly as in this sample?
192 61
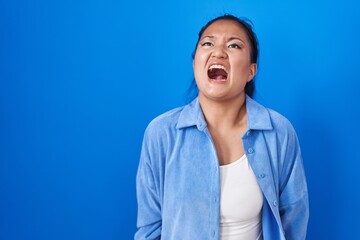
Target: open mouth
217 73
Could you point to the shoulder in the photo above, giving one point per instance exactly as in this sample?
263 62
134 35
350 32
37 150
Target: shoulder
279 121
167 119
264 118
164 123
282 128
178 118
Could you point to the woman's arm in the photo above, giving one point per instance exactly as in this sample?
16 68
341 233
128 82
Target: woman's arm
294 205
149 206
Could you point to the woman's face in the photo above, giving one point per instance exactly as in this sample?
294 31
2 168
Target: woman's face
222 63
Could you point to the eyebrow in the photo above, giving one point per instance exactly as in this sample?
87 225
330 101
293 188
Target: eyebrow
236 38
208 36
230 39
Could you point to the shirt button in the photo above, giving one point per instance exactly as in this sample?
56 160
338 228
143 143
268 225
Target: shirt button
275 203
215 200
261 175
250 150
248 133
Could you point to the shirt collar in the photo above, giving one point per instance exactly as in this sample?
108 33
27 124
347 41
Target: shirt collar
191 115
258 116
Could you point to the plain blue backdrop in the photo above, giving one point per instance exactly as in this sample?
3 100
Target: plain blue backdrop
80 81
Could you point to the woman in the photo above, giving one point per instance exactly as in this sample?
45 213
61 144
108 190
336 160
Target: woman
223 166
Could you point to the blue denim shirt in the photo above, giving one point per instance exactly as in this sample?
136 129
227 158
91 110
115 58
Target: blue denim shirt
178 179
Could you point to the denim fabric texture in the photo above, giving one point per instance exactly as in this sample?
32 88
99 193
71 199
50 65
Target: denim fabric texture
178 178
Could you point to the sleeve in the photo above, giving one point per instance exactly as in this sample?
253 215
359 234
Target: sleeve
294 205
147 189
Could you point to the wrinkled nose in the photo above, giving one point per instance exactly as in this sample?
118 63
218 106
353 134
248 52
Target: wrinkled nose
219 52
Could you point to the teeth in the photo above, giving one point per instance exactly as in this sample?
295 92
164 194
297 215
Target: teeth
217 66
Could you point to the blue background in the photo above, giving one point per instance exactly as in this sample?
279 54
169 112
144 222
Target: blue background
80 81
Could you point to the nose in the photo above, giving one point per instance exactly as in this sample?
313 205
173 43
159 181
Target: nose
219 52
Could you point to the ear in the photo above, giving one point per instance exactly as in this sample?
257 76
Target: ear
252 71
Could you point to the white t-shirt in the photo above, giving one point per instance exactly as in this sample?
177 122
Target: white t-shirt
241 202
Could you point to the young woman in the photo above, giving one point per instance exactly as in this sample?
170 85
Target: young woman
223 166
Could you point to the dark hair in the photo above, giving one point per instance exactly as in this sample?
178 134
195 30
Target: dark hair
245 24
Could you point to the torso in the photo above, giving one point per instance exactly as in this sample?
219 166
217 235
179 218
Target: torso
228 143
226 123
241 202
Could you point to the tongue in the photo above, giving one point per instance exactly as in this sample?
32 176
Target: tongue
217 74
219 77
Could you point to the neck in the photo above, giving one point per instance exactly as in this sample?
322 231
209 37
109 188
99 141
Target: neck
224 114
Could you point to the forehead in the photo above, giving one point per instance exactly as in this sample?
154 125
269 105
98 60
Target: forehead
228 27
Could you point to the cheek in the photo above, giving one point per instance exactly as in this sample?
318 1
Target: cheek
241 66
201 57
198 63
